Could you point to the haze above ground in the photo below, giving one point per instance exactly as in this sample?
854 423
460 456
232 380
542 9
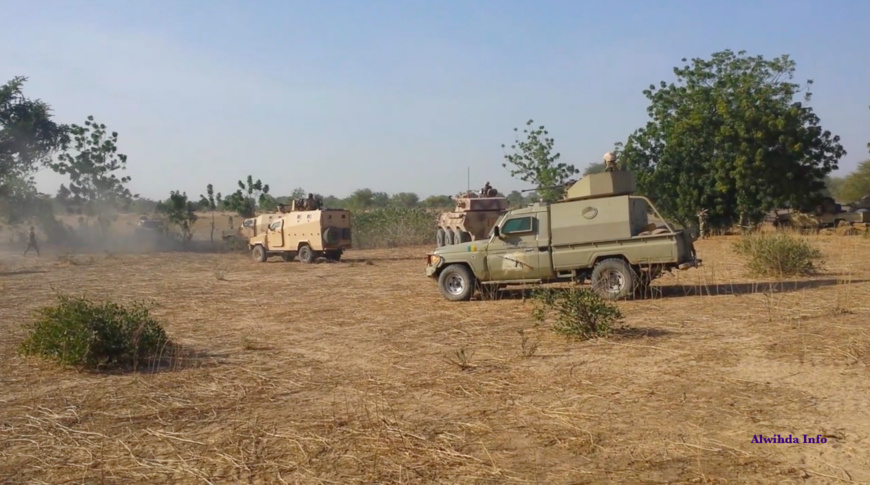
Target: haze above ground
403 95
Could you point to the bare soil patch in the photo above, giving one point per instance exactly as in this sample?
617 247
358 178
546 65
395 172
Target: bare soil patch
342 373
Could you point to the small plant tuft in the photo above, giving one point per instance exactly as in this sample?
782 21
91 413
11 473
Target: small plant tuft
83 333
580 312
462 358
528 346
778 254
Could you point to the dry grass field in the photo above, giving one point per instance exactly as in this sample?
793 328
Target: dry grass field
348 373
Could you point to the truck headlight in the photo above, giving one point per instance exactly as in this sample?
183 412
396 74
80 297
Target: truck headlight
433 259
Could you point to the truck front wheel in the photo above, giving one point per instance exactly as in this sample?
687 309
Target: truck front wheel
259 254
456 283
613 279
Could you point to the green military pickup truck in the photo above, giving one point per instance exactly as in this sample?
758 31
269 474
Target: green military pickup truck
599 232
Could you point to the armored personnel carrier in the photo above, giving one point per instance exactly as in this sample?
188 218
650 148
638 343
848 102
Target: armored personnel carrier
307 231
600 232
472 218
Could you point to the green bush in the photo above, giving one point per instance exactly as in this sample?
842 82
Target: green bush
777 254
392 227
580 312
92 335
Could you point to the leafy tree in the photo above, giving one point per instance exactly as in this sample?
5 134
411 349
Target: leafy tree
856 185
438 202
298 193
28 138
405 199
180 211
94 190
833 186
211 202
245 199
730 137
535 162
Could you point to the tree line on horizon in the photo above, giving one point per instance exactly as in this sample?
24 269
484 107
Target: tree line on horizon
731 134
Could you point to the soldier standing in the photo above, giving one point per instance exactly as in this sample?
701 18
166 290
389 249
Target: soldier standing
31 242
484 192
702 223
610 162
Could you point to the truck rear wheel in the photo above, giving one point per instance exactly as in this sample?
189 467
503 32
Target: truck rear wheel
259 254
306 255
613 279
456 283
287 256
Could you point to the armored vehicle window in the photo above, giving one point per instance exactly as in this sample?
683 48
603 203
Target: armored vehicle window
275 225
248 223
520 224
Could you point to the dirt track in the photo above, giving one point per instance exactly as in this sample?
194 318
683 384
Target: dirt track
339 373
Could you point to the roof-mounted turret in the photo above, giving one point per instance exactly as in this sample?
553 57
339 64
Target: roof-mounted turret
605 184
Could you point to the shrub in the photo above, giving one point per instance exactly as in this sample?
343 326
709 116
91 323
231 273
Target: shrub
392 227
777 254
580 312
92 335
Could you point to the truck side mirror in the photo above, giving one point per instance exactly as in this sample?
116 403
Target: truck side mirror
496 232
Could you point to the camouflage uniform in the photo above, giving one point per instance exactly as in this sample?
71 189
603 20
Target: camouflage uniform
702 223
484 192
610 162
31 243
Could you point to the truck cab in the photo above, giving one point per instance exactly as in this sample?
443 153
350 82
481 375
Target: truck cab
600 232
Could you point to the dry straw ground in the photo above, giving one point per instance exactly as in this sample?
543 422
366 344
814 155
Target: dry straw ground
348 373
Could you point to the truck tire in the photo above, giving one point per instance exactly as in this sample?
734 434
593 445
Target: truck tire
287 256
334 254
331 235
259 254
439 238
306 255
613 279
463 237
456 283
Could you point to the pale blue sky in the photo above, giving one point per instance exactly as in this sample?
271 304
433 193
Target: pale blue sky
397 95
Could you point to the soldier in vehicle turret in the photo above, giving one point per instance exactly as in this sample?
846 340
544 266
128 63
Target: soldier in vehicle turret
610 162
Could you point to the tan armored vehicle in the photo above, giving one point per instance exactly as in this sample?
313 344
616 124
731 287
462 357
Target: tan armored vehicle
308 233
599 233
472 218
854 217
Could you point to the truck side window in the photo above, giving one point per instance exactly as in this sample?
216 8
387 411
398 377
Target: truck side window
275 225
520 224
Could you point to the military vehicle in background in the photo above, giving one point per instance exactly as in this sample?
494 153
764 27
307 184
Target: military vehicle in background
307 231
148 227
598 232
847 218
472 218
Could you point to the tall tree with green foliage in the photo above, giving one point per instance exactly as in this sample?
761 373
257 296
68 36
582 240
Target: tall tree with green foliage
247 197
729 136
94 189
533 161
211 202
856 185
28 138
180 211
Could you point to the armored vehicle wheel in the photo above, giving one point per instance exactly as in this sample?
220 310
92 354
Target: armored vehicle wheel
613 279
448 237
259 254
439 237
287 257
334 255
456 283
462 237
306 255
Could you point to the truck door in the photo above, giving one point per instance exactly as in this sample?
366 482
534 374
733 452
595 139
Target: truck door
516 254
275 235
